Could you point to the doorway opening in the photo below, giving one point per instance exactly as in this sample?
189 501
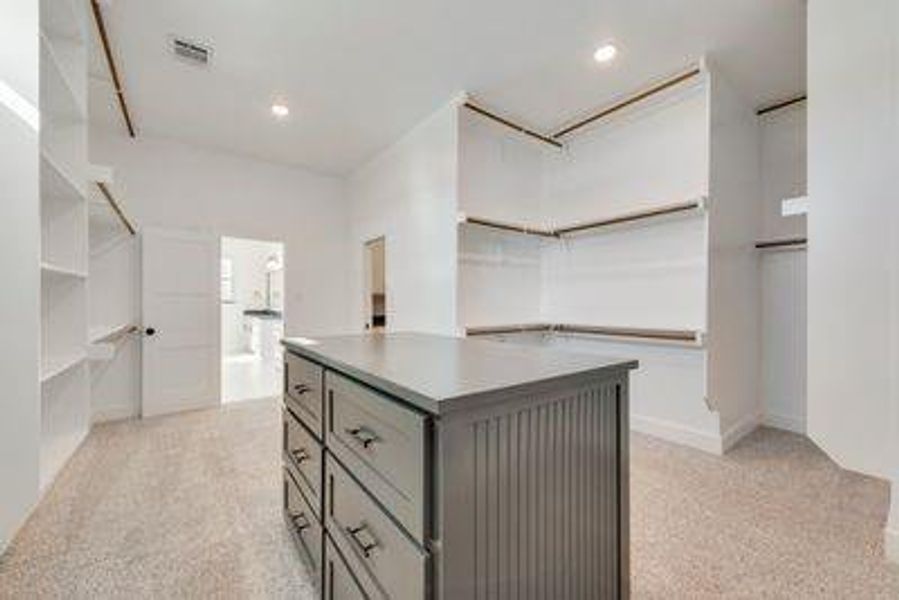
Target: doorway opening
252 305
375 285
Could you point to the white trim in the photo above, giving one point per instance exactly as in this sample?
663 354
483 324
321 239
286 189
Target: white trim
744 427
113 413
792 423
19 106
673 432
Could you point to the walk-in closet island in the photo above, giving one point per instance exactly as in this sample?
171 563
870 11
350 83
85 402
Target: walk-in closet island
423 466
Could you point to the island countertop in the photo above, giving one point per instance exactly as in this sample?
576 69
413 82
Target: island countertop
438 374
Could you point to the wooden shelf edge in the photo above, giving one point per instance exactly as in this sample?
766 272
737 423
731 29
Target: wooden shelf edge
785 244
57 270
105 334
683 337
696 205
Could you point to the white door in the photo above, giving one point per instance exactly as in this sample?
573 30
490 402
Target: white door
181 369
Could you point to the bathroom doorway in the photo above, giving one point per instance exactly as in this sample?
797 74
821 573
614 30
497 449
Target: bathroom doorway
375 285
252 305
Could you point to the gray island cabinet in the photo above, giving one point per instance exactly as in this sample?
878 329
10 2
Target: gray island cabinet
421 466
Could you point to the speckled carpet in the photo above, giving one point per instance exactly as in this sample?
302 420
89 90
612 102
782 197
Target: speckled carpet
189 507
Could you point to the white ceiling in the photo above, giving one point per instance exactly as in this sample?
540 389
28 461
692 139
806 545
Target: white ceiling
359 73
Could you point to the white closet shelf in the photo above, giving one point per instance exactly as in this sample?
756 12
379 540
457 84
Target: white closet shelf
53 270
57 365
679 337
60 100
648 215
56 183
110 333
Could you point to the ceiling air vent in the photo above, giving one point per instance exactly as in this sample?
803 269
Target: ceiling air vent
192 52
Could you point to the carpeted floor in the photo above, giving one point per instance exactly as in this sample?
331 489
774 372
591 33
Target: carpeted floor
189 507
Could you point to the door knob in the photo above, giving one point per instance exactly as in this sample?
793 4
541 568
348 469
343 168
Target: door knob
150 331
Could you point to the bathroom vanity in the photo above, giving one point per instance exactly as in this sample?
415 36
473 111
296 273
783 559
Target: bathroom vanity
421 466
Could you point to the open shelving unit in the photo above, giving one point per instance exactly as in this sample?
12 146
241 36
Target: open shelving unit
65 390
627 236
113 314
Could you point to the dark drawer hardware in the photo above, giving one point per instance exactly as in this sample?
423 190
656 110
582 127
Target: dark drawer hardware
300 455
301 521
364 436
301 388
365 547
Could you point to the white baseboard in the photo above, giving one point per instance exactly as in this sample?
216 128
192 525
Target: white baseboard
113 413
786 422
744 427
679 434
891 544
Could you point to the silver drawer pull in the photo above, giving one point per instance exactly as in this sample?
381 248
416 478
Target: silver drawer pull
300 521
363 435
301 388
300 455
364 546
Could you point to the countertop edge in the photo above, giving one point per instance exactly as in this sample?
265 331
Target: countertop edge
442 406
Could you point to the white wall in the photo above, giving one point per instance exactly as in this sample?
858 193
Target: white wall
783 273
733 338
19 270
407 193
852 58
163 183
248 260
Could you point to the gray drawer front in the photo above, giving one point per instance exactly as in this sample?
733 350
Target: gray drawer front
339 583
385 561
303 390
303 453
306 529
383 444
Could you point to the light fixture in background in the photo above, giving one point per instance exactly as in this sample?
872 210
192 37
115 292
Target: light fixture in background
605 53
280 110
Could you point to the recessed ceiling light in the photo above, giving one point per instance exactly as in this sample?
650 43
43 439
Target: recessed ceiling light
280 110
605 53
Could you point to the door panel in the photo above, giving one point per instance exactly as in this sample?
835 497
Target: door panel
181 366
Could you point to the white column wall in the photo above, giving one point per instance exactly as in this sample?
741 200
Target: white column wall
19 268
851 168
408 194
783 272
853 342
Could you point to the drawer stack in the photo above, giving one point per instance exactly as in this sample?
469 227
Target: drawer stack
355 485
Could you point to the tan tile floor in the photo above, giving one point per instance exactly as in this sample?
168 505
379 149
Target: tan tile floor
189 507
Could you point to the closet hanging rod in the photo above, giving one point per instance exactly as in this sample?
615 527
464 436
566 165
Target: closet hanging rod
633 216
668 335
500 329
503 121
116 208
779 105
114 73
634 99
785 243
664 335
508 226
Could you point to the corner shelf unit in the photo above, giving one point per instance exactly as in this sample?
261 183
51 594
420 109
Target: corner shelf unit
670 284
65 390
